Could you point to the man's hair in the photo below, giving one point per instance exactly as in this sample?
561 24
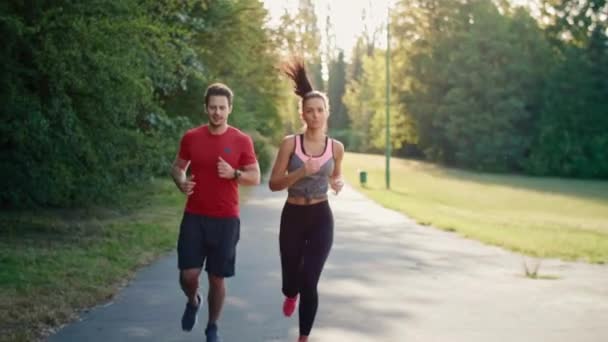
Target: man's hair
218 89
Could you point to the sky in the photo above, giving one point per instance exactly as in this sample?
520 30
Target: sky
345 17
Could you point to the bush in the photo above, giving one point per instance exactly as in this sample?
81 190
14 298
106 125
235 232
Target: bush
263 150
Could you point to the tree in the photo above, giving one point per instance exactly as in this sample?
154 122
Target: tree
81 80
572 138
299 35
238 50
309 42
574 20
336 88
357 96
364 46
366 100
474 82
87 87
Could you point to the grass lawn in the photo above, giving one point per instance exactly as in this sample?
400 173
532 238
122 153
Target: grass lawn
543 217
56 262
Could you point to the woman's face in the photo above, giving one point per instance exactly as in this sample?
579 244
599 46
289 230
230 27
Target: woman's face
314 113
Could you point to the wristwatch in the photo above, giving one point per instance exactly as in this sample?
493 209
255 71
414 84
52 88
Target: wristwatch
237 174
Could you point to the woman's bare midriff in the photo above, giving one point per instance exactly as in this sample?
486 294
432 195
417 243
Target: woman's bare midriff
305 201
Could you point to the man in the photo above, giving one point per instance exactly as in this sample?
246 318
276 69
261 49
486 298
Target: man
220 157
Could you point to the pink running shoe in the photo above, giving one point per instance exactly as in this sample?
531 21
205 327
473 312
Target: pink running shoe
289 305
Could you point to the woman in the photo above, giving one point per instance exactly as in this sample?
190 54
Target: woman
305 165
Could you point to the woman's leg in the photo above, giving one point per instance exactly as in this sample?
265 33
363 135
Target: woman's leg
291 243
316 251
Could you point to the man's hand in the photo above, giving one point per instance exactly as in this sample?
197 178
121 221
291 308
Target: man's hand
187 187
224 170
336 184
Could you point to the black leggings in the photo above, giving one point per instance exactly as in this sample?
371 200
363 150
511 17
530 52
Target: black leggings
305 239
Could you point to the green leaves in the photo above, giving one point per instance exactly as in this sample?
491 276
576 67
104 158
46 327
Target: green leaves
572 137
97 93
474 82
488 88
80 73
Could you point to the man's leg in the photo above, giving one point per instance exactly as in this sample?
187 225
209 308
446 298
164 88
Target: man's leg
191 257
189 282
217 293
224 233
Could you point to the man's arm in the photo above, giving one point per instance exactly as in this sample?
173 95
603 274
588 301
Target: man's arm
250 175
178 173
247 175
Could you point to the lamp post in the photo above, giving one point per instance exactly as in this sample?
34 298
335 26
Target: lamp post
388 94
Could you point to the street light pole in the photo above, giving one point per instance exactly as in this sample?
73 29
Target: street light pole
388 94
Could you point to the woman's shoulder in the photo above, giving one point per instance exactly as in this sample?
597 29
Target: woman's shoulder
289 141
336 141
338 146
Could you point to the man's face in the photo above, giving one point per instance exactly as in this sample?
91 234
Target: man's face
218 110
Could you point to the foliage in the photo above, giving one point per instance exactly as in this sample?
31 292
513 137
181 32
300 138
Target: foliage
96 94
335 91
366 102
484 85
573 136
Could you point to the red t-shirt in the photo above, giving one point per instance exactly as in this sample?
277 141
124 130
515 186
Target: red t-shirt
214 196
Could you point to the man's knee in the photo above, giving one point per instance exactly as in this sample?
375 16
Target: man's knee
189 278
216 282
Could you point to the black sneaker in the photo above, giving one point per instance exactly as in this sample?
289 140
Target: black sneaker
189 316
211 333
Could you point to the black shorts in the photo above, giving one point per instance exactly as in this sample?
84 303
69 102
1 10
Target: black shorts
208 238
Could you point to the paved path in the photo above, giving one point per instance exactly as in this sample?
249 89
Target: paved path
387 279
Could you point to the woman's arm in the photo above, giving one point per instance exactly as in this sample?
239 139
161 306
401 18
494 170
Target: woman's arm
279 178
335 180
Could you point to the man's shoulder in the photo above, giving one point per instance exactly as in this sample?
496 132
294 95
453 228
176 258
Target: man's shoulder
235 132
199 130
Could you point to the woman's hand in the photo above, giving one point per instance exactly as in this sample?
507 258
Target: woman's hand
311 166
336 184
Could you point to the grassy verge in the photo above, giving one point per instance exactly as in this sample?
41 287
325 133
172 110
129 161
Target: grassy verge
543 217
54 263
